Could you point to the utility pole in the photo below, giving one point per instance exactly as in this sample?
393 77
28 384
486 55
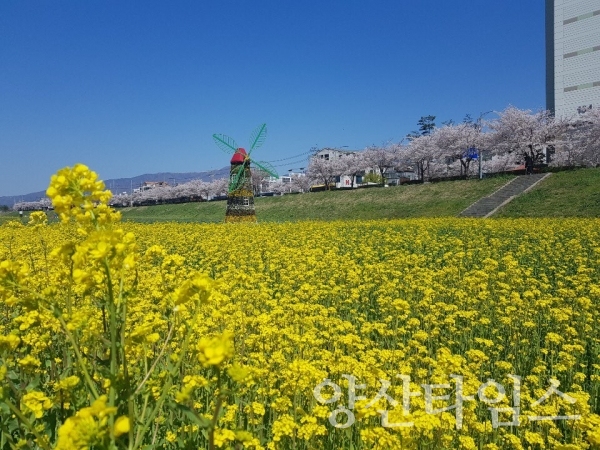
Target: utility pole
480 153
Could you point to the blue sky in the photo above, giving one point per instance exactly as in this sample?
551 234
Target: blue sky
140 87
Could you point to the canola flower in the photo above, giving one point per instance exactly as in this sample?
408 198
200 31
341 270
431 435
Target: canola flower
86 361
120 335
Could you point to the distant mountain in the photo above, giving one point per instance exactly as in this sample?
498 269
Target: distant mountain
120 185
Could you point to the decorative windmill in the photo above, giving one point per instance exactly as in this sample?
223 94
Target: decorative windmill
240 195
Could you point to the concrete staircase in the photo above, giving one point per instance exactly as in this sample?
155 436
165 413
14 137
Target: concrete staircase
487 206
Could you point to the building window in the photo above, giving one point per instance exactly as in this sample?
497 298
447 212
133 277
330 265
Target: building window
583 109
246 202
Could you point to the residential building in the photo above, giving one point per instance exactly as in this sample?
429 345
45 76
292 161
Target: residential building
572 56
347 181
399 175
147 185
392 176
331 153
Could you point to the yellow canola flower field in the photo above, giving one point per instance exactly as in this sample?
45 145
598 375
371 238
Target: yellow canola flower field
404 334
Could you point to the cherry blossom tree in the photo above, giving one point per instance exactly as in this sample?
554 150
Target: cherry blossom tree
219 186
193 190
499 163
279 187
381 158
260 180
121 200
353 165
301 182
525 133
325 170
40 205
402 156
422 152
590 139
580 143
458 143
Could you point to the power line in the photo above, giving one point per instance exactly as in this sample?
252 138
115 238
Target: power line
293 157
287 164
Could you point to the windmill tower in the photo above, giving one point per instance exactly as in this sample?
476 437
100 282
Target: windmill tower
240 195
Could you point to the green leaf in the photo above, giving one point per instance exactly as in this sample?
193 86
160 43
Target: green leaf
191 414
13 376
13 425
56 311
4 409
33 384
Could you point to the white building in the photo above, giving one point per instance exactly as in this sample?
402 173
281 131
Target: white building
344 181
572 56
330 153
393 176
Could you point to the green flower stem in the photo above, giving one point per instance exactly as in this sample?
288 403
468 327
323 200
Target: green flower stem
213 424
136 411
164 392
153 414
130 404
112 316
86 375
70 337
17 412
215 418
149 372
142 415
70 290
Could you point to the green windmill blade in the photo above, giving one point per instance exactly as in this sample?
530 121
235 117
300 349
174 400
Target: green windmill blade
257 138
239 179
266 167
225 143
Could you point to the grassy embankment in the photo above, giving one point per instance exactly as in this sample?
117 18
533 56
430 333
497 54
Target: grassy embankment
428 200
574 193
563 194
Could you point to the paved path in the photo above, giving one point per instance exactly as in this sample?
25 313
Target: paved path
487 206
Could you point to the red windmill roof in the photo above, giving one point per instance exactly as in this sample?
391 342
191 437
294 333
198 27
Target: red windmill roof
239 156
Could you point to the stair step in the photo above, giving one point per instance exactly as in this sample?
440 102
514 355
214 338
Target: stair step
505 194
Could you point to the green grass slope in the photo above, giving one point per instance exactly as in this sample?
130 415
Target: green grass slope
564 194
12 215
427 200
574 193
